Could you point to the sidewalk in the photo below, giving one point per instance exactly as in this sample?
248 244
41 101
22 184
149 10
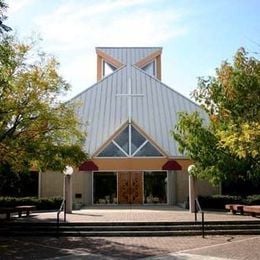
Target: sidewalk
134 214
157 248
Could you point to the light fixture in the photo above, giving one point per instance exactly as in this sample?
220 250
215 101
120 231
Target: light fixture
191 169
68 170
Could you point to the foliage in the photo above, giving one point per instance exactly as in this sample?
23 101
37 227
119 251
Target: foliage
198 141
219 201
232 99
226 146
41 204
3 27
36 129
17 184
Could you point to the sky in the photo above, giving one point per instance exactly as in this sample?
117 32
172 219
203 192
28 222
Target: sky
196 35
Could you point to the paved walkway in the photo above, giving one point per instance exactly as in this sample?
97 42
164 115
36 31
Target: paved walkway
181 248
147 214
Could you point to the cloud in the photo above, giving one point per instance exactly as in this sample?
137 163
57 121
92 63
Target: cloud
15 6
108 22
74 28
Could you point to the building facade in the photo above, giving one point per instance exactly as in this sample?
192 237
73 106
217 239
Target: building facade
128 116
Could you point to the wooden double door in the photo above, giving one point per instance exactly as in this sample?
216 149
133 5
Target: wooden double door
130 188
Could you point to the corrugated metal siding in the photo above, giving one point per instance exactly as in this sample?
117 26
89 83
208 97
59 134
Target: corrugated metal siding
155 113
129 56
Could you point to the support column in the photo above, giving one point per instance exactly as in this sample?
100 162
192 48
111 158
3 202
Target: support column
193 192
68 193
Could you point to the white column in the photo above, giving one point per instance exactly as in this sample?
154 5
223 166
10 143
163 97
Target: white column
193 192
68 193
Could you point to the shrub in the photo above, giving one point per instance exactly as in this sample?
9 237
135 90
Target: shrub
252 200
41 204
219 201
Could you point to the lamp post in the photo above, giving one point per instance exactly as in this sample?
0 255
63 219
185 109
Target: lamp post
193 188
67 189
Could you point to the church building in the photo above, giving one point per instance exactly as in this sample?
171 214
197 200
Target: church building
128 116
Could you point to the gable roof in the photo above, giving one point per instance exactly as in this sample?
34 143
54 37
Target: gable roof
129 55
156 113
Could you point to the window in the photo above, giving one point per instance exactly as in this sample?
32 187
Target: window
108 68
150 68
105 187
129 143
155 187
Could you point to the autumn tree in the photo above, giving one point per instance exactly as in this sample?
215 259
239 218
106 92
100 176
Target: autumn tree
227 144
36 128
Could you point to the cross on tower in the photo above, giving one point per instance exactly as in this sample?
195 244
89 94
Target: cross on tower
130 95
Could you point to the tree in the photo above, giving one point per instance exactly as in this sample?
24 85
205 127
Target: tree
36 129
3 27
226 145
232 100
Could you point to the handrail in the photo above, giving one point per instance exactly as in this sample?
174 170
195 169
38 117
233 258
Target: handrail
198 209
62 208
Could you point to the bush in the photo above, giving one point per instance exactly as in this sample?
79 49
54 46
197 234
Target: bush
219 201
41 204
252 200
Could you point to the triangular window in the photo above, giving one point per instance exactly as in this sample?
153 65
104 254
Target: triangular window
130 143
108 68
150 68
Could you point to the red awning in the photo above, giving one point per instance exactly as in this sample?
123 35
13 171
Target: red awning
88 166
171 165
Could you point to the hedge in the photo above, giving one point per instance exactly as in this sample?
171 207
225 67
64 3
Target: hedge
41 204
219 201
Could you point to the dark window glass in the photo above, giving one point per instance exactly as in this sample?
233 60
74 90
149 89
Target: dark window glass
123 140
111 151
105 188
155 187
148 150
137 140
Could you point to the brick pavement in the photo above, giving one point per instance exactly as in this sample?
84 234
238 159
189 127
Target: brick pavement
226 247
148 214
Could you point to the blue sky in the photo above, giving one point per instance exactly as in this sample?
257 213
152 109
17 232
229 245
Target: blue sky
196 35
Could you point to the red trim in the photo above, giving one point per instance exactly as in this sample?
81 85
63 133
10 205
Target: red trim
88 166
171 165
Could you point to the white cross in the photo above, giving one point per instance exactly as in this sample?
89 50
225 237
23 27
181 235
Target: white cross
130 95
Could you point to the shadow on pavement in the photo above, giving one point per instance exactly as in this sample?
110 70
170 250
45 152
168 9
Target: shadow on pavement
40 248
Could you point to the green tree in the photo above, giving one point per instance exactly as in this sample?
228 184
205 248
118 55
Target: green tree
232 100
36 129
226 146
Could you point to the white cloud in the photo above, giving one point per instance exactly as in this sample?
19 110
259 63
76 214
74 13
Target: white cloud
15 6
75 28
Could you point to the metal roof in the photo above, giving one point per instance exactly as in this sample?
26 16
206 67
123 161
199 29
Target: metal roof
156 113
127 55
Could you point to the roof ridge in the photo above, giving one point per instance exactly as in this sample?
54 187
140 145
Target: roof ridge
93 85
165 85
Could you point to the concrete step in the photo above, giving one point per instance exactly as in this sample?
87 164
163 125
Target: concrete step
129 229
